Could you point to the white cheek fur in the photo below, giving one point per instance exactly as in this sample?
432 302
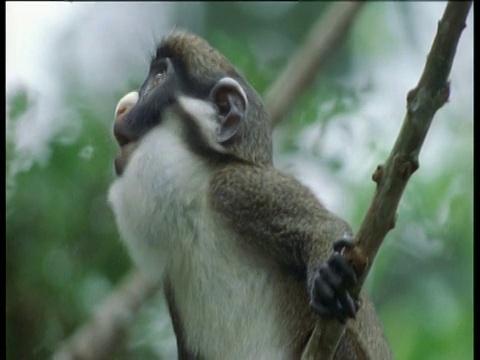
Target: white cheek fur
203 113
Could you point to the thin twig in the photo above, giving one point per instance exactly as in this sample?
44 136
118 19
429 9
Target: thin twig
423 101
99 338
327 34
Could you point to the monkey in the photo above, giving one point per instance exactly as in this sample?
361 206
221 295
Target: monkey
249 258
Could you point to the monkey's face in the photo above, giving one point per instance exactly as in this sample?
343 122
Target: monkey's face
208 106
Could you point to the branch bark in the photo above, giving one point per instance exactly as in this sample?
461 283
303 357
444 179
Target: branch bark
99 338
430 94
327 34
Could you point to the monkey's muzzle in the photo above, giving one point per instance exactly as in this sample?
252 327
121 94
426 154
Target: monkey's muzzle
125 139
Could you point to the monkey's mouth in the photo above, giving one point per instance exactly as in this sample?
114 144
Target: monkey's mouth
122 159
124 134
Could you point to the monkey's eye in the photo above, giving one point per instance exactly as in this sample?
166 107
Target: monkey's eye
161 74
157 80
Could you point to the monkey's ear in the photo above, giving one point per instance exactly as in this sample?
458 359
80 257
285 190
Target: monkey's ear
232 103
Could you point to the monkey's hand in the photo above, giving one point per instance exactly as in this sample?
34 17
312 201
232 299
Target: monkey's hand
331 285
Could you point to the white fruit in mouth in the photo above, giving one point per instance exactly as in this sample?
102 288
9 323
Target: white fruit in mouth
126 103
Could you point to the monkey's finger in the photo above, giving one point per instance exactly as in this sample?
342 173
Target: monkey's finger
333 311
349 308
333 278
323 311
342 243
326 306
339 313
346 307
341 265
323 292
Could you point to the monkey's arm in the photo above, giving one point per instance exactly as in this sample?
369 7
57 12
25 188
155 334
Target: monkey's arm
281 218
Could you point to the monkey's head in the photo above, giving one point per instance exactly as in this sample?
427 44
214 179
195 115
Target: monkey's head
218 114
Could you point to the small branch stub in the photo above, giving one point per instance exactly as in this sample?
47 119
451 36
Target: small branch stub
358 259
378 174
406 166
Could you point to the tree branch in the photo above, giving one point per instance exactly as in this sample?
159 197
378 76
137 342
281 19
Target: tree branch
100 337
327 34
423 101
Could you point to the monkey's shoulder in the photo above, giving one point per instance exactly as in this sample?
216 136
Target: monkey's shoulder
274 212
261 188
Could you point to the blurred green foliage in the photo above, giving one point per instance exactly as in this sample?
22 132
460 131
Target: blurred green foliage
61 244
64 255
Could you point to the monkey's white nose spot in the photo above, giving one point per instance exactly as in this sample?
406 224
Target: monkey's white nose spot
126 103
121 111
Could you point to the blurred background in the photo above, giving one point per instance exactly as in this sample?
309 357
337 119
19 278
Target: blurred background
67 65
